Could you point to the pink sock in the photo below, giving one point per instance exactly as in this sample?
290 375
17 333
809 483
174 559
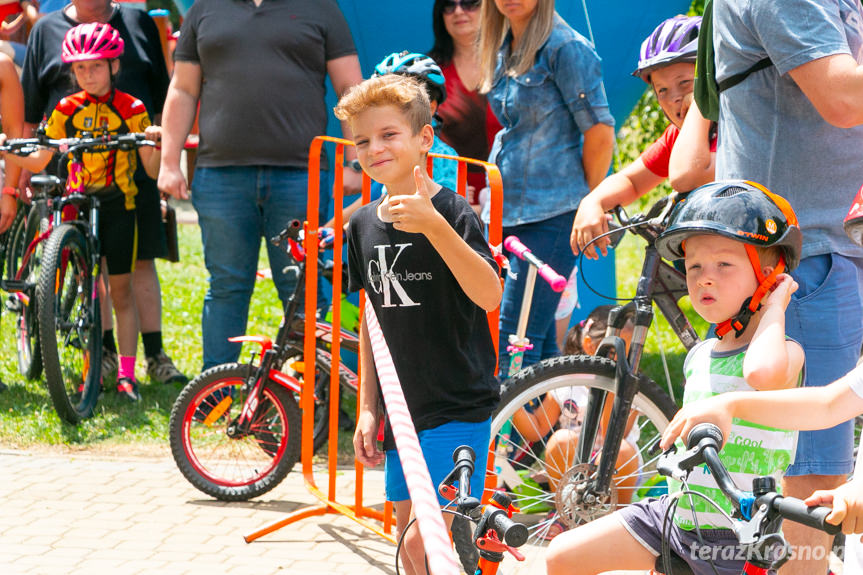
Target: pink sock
127 367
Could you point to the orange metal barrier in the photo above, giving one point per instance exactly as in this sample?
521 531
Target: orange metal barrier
329 504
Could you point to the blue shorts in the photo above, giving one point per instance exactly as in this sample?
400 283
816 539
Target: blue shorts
438 445
826 317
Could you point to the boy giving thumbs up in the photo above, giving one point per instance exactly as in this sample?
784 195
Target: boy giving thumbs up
420 254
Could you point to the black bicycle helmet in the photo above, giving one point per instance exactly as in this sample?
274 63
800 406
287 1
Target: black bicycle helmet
743 211
854 220
419 66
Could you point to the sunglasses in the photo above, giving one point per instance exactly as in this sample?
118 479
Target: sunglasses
466 5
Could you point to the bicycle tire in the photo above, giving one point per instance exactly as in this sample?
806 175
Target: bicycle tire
29 350
241 467
541 505
321 428
70 327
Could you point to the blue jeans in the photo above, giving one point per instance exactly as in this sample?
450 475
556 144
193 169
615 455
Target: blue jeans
237 206
826 317
549 241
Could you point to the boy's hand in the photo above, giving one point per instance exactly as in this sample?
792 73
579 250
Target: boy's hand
590 222
847 503
154 133
716 410
366 440
781 293
414 213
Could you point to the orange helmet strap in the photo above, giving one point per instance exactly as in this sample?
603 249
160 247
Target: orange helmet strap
740 322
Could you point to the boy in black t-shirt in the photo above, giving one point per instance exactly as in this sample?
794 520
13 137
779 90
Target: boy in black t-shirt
420 254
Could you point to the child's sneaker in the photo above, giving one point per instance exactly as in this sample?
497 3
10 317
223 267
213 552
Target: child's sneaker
161 369
109 363
128 389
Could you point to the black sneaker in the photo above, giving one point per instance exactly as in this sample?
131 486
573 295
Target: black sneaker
128 389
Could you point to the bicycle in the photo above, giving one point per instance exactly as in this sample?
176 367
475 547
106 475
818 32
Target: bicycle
235 429
758 514
68 320
588 488
495 533
21 260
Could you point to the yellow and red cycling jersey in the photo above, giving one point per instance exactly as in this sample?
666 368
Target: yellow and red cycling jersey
114 113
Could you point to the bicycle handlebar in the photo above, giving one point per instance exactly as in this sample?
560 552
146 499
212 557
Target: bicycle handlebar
497 514
554 279
763 504
126 142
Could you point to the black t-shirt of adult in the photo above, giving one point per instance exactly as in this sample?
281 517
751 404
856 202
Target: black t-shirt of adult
264 68
46 79
439 339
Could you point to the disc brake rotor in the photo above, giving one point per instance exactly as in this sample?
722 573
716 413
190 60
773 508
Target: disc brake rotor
576 507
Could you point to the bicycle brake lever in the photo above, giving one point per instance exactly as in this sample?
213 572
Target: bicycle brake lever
678 465
666 209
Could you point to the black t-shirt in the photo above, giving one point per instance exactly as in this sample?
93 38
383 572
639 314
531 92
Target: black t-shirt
439 339
46 79
264 70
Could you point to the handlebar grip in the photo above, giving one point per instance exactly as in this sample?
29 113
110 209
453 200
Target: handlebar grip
554 279
796 510
512 533
464 458
513 244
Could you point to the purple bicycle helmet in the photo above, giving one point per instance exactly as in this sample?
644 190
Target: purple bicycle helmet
674 40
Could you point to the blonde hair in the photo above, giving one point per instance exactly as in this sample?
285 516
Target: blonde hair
403 92
493 30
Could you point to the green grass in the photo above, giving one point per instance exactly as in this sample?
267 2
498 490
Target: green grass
27 418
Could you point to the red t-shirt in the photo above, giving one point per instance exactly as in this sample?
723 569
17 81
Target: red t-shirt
468 124
656 157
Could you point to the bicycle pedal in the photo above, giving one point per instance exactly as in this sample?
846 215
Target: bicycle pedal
16 285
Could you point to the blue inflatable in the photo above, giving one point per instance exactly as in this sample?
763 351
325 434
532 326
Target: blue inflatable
616 27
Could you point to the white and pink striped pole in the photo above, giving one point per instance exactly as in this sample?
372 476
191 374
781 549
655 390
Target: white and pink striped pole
426 508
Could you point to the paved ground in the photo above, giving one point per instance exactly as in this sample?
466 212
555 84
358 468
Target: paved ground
79 514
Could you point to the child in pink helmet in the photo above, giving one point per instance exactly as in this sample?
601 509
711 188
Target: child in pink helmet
93 50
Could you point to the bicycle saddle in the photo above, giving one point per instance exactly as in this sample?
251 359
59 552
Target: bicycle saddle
51 185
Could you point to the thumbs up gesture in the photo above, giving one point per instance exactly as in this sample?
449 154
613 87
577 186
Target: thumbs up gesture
414 213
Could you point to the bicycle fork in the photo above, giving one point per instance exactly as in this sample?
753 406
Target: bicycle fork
627 382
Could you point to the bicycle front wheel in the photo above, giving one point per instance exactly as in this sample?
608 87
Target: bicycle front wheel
213 454
543 486
70 327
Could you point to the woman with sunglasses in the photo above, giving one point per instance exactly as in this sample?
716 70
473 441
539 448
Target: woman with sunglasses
544 84
467 123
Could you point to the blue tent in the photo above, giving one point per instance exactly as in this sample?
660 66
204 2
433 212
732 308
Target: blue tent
380 27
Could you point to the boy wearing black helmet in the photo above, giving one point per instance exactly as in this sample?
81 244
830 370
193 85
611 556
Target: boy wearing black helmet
666 62
737 240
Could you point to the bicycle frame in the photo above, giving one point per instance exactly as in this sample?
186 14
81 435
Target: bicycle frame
273 355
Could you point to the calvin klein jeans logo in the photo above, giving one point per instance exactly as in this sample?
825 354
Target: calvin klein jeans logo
387 282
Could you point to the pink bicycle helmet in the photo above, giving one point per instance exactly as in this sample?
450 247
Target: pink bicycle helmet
93 41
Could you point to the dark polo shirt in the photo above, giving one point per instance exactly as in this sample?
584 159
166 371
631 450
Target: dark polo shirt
264 68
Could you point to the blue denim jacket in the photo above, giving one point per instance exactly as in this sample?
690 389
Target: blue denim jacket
544 113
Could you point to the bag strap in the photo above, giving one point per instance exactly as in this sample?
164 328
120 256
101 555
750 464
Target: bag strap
732 81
